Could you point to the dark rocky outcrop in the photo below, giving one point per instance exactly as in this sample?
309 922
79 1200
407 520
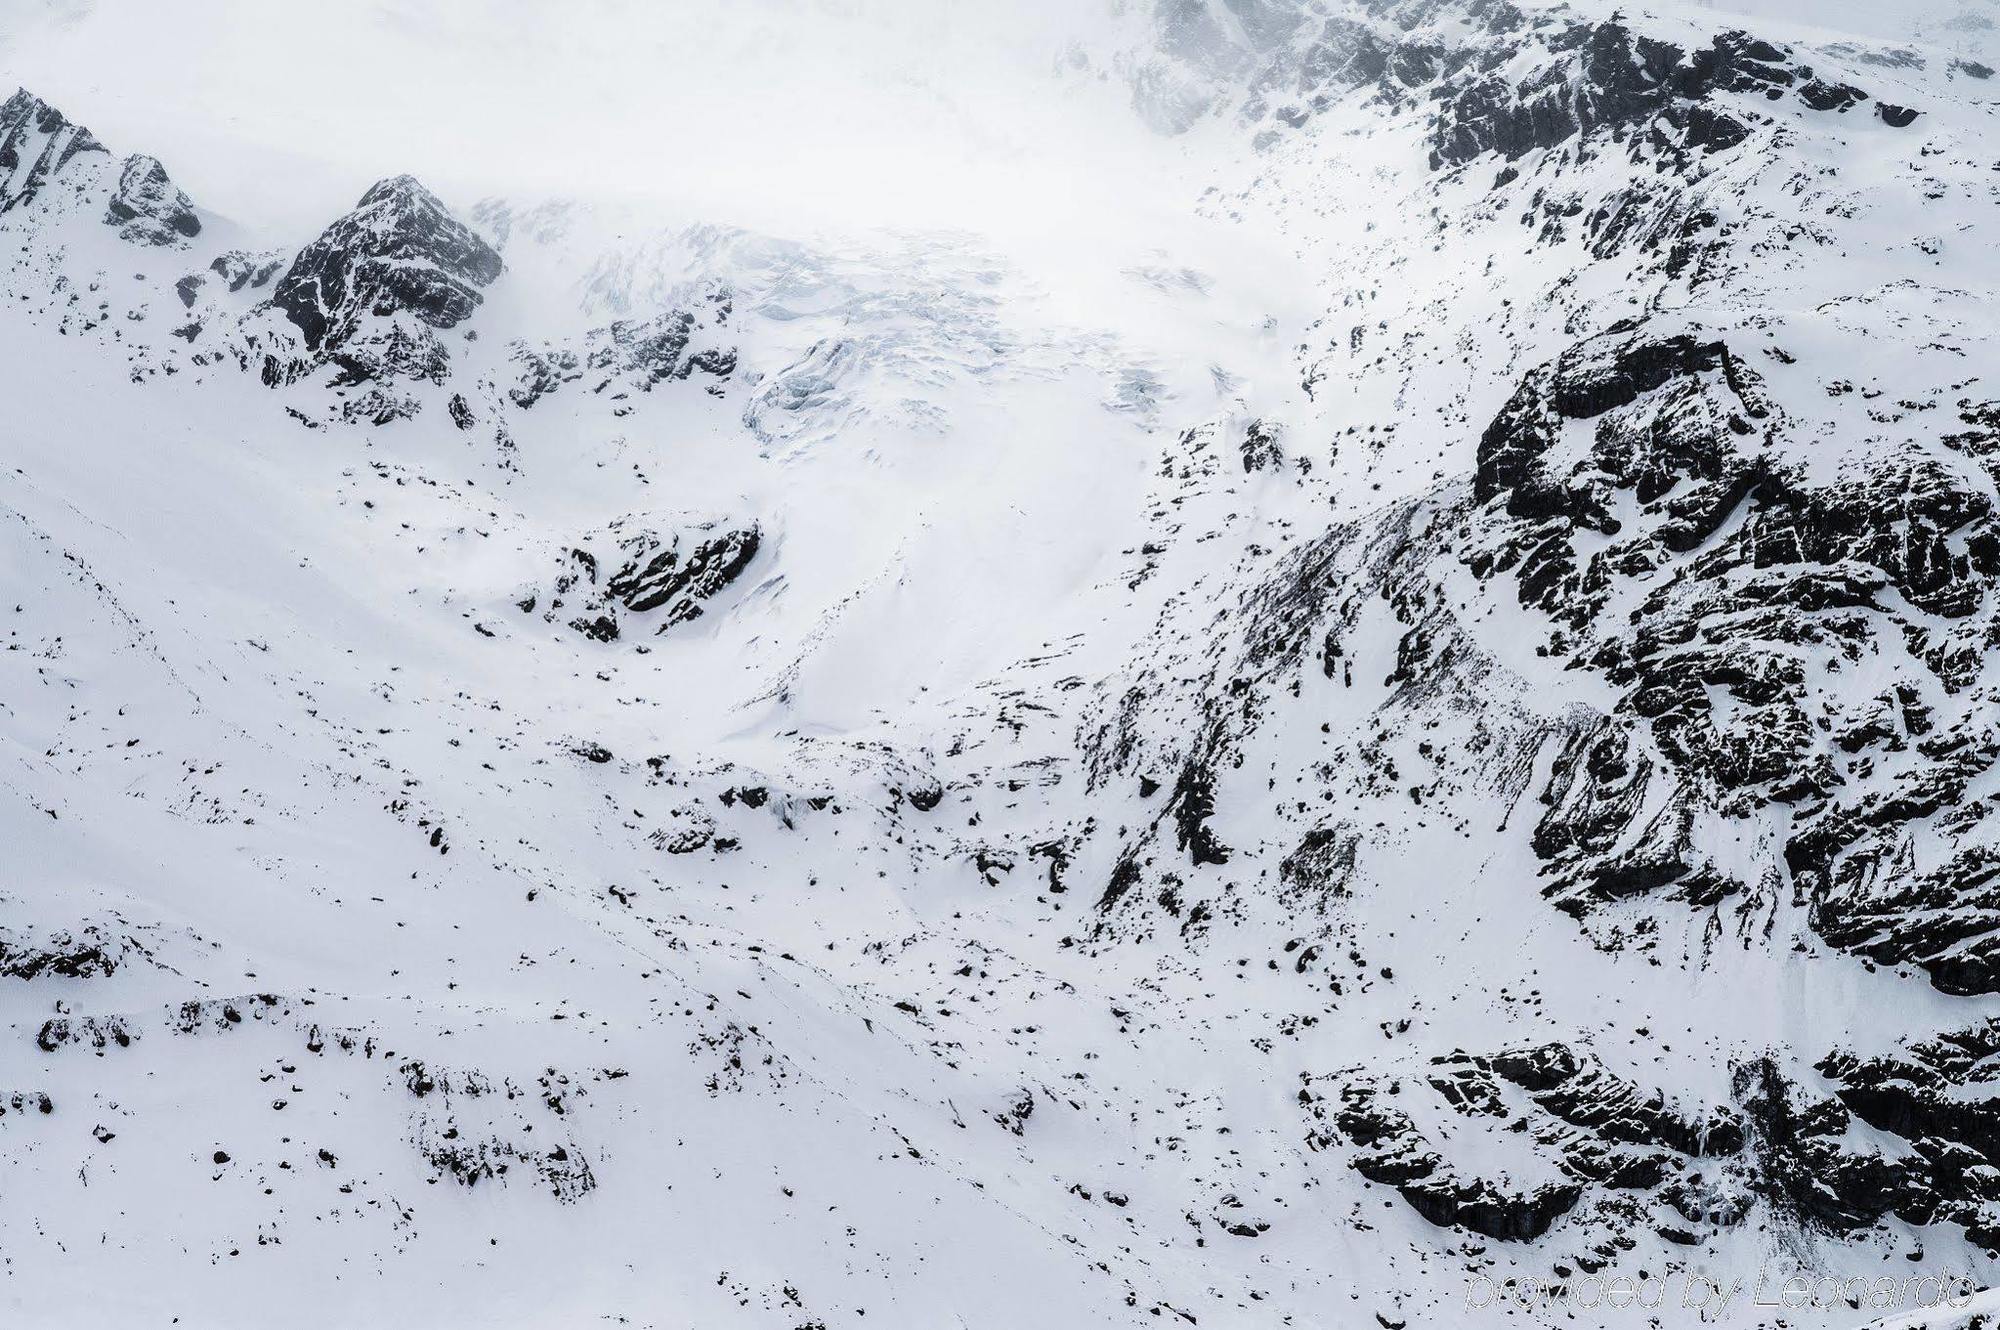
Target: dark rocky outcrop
370 294
1807 1164
1679 490
1933 1101
676 578
1604 77
36 143
63 956
686 829
1318 871
661 578
1595 1131
540 371
1626 1155
1193 805
633 355
667 348
1504 82
40 146
147 207
241 268
90 949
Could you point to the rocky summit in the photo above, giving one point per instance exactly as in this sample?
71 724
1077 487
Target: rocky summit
1244 663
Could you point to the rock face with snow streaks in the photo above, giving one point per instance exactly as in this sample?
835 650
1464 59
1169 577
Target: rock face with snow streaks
374 290
148 207
44 152
36 143
1746 583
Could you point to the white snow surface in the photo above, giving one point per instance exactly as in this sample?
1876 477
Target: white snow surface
383 854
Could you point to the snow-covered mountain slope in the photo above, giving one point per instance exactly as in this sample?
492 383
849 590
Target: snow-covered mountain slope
1411 744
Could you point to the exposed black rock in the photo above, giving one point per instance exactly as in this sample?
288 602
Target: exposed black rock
1600 1133
1261 449
541 372
1318 871
92 949
370 292
1807 1164
1691 1172
1750 560
667 348
36 143
684 830
63 956
663 575
1508 84
1193 804
241 268
1393 1151
39 146
93 1032
147 207
633 355
669 578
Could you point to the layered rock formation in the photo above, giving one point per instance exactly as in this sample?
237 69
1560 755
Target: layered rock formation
373 292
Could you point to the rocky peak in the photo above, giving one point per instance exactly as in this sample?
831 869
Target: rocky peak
147 207
399 252
36 142
370 295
